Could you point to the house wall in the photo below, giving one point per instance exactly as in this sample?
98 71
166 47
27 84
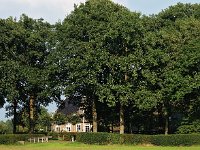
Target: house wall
70 109
79 127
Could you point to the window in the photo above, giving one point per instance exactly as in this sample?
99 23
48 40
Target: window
87 128
58 129
78 127
68 127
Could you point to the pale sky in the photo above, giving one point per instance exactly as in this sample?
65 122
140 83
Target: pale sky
54 10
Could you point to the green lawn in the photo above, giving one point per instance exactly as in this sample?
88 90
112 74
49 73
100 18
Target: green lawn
78 146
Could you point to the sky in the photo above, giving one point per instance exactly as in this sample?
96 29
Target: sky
56 10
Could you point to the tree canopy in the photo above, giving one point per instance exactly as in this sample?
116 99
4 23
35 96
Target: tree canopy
106 59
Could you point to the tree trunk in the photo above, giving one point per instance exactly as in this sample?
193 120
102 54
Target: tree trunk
121 111
31 114
15 117
112 127
121 115
94 116
166 123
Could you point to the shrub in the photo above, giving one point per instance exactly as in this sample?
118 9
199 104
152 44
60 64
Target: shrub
94 138
13 138
54 135
189 128
67 136
186 129
113 138
136 139
110 138
8 139
176 140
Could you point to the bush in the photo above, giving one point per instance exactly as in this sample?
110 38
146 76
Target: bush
176 140
14 138
8 139
186 129
54 135
94 138
136 139
110 138
189 128
113 138
67 136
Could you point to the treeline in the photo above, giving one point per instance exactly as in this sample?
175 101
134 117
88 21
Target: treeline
141 73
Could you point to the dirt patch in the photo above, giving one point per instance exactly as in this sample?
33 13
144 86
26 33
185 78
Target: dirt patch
147 145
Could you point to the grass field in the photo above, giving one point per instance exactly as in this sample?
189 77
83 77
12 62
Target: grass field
78 146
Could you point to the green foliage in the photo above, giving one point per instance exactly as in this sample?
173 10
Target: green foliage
180 11
67 136
135 139
113 58
102 43
44 121
93 138
189 128
173 62
176 140
100 40
14 138
6 127
24 46
9 139
158 140
110 138
59 118
73 119
55 135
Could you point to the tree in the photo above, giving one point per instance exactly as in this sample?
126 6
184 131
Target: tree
191 64
6 127
73 119
59 118
44 120
93 42
25 45
166 67
10 76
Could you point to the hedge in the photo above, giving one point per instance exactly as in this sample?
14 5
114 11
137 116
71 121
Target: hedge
66 136
176 140
110 138
130 139
94 138
14 138
136 139
54 135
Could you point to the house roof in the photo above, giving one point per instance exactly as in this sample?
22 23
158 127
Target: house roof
67 107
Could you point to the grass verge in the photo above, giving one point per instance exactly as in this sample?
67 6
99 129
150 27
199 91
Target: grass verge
59 145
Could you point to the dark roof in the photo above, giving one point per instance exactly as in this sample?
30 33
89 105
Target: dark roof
67 108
